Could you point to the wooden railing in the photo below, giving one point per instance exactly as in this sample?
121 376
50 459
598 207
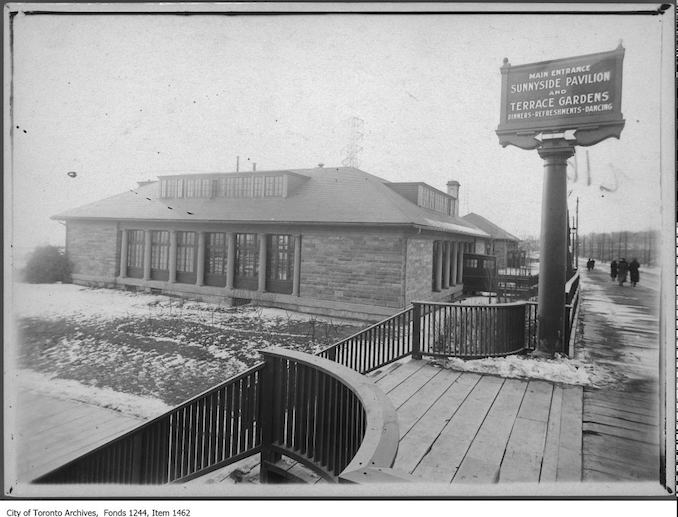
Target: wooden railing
375 346
325 416
468 331
214 429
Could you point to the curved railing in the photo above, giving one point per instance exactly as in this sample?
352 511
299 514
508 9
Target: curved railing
326 416
469 331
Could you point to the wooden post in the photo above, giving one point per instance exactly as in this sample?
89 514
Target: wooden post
173 257
265 412
453 267
296 275
446 264
147 255
200 266
553 248
123 254
262 262
230 260
416 330
439 266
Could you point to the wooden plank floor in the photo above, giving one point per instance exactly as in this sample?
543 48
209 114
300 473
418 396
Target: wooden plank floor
49 432
620 425
468 428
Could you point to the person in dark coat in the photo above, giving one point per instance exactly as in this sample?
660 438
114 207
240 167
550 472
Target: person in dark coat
633 272
589 264
613 270
622 271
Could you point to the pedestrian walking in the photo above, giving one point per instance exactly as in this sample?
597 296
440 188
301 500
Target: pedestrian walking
622 271
613 270
589 264
634 275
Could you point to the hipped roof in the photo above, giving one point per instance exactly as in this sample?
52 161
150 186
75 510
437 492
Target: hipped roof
341 195
494 231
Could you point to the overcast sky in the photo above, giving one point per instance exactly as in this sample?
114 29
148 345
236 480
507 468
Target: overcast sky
119 99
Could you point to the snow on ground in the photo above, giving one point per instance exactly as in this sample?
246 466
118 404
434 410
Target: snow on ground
559 370
69 300
150 345
66 389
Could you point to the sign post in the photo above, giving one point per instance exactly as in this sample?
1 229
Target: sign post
552 106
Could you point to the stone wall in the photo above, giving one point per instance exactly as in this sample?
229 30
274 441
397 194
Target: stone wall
419 270
354 267
93 248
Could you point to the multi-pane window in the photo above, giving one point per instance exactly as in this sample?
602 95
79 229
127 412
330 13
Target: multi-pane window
429 198
216 254
472 263
187 187
280 263
258 186
135 248
159 249
245 186
246 254
274 186
238 186
186 252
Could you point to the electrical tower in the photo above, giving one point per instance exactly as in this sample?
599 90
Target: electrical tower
355 137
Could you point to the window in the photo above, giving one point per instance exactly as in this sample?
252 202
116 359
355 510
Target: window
429 198
258 186
280 263
216 259
216 254
471 263
135 253
252 186
159 255
246 261
185 251
274 186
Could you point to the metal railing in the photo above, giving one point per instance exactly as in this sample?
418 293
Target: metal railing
468 331
325 416
375 346
212 430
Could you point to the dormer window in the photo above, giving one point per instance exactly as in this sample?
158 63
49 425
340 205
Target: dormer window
249 185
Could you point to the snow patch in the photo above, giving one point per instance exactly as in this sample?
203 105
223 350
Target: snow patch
130 405
559 370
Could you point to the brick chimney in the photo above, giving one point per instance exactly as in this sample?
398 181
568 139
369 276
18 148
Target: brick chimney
453 190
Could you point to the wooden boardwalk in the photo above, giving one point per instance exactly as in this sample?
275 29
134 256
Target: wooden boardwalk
49 432
468 428
620 337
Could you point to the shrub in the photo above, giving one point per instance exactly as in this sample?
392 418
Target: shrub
46 265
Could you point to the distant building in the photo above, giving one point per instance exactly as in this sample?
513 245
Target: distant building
334 241
500 243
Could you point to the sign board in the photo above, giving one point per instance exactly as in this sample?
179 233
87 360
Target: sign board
579 97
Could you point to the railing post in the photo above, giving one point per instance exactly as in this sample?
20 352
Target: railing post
416 330
266 417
